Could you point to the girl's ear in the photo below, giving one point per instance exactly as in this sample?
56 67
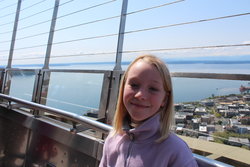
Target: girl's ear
164 102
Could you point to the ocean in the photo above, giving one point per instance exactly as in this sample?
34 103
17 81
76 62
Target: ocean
80 93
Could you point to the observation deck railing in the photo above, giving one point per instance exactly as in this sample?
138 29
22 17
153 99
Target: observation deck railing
93 124
88 123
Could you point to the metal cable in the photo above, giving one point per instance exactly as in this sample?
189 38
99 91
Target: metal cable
186 48
154 7
94 21
87 38
23 9
85 54
8 14
135 51
36 13
33 5
99 20
74 40
186 23
140 30
28 47
43 33
71 55
28 26
91 7
8 6
60 17
30 36
109 18
153 28
134 31
45 10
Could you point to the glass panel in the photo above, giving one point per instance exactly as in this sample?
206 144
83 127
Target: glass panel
193 89
22 83
75 92
213 110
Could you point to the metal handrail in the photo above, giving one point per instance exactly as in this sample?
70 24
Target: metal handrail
104 128
209 161
223 76
92 124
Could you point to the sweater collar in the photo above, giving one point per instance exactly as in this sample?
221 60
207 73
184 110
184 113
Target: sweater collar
145 131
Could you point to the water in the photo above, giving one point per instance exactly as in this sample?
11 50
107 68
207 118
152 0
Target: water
80 93
189 89
211 68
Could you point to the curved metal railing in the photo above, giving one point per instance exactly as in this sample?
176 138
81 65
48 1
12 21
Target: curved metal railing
104 128
101 127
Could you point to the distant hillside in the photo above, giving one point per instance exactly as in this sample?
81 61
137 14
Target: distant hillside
244 59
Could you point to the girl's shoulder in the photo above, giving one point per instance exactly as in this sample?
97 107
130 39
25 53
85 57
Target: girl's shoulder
176 144
174 139
178 151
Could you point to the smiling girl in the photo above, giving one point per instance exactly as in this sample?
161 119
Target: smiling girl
142 123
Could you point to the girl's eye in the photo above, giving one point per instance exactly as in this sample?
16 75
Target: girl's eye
153 89
133 85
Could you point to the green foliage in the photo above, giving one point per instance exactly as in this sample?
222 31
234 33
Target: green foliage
218 115
197 116
231 134
224 136
220 122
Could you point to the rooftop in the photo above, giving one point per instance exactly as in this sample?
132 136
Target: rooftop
218 150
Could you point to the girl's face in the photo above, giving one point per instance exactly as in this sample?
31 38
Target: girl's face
144 93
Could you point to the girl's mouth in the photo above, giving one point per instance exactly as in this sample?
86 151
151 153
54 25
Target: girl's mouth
139 105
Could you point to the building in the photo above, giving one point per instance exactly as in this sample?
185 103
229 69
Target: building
246 98
195 123
188 108
207 103
233 122
203 129
179 128
245 120
180 119
221 107
235 141
209 119
200 111
206 138
178 107
229 113
210 128
242 129
244 111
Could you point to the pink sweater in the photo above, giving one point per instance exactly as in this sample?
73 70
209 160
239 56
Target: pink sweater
137 148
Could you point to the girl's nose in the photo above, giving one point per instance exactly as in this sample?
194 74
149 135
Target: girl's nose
141 94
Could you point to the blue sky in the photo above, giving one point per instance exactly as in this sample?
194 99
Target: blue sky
34 26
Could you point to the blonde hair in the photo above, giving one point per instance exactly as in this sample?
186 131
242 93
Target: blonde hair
167 112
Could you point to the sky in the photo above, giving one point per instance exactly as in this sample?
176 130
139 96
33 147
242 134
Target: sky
86 31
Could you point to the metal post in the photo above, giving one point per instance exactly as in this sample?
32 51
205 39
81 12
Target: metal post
121 35
116 73
13 40
51 35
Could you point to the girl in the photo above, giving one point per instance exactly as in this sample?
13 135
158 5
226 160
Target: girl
142 122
